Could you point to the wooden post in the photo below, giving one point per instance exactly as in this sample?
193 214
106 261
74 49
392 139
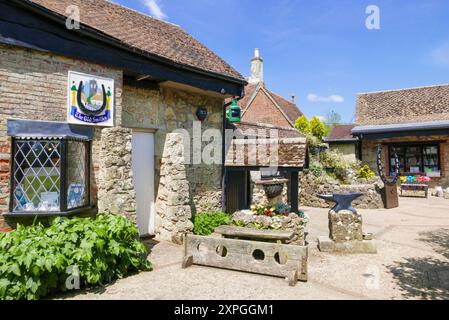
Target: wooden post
294 188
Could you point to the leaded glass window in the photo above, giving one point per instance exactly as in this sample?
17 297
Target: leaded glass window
37 171
50 175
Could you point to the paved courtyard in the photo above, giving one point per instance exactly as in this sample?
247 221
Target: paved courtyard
412 263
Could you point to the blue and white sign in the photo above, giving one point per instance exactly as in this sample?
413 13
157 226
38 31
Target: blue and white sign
90 100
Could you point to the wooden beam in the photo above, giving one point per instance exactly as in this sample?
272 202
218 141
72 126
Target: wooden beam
294 190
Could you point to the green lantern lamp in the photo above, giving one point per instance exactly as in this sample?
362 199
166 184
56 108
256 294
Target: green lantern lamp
234 113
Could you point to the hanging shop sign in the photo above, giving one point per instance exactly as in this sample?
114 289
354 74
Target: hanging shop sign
90 100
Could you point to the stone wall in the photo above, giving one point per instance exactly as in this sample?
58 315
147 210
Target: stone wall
369 155
116 192
167 109
310 187
33 86
173 203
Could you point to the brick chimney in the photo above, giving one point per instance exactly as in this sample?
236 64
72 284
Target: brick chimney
256 68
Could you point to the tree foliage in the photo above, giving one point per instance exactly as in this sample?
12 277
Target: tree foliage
302 124
317 128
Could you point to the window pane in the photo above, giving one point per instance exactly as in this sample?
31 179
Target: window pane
76 175
431 161
413 159
36 176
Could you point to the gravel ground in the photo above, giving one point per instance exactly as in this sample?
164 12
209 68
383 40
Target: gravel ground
412 263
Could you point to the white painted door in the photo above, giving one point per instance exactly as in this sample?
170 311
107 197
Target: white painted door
143 175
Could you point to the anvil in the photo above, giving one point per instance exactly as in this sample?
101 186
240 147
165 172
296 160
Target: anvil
343 200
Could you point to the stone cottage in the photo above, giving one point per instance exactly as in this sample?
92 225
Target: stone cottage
413 123
87 110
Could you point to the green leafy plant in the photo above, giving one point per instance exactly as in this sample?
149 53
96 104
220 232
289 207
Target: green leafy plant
365 173
239 223
318 128
204 223
35 260
302 124
336 165
316 169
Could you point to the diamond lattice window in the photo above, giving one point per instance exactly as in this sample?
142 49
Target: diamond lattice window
50 175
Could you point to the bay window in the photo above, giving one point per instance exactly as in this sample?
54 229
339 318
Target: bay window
50 168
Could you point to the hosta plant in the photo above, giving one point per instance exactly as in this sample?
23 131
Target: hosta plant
36 261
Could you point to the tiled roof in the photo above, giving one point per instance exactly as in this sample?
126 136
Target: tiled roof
341 133
290 109
403 106
145 34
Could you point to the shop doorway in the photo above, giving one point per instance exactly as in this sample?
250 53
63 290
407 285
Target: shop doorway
143 176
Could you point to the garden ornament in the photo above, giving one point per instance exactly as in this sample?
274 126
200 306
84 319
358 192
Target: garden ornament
388 181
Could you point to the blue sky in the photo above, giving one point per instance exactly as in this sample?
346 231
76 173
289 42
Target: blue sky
320 51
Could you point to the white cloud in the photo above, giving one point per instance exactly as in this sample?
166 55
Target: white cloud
322 118
333 98
440 55
155 9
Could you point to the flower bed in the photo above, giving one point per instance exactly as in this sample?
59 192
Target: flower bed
277 217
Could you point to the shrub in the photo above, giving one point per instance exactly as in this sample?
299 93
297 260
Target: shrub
316 169
205 223
336 165
35 260
302 124
317 128
365 173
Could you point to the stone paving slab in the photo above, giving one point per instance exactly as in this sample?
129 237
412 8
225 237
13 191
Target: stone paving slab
412 263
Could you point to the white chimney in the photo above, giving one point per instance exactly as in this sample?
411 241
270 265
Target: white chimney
256 68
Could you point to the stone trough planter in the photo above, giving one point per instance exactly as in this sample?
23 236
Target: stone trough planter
247 219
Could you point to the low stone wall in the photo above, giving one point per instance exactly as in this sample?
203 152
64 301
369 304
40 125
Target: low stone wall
311 187
246 218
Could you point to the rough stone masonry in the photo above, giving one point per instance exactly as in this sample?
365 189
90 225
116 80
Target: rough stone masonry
173 203
345 226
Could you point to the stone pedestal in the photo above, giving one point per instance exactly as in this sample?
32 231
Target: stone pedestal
345 226
346 235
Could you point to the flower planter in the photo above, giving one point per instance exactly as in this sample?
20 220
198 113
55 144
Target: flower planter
246 218
273 190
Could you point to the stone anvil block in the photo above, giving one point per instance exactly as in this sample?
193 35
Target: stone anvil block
345 228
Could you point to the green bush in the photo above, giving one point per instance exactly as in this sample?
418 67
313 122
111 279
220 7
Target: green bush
302 124
316 169
205 223
365 173
336 165
35 260
318 129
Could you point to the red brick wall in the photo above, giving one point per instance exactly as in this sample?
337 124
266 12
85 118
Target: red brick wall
263 110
